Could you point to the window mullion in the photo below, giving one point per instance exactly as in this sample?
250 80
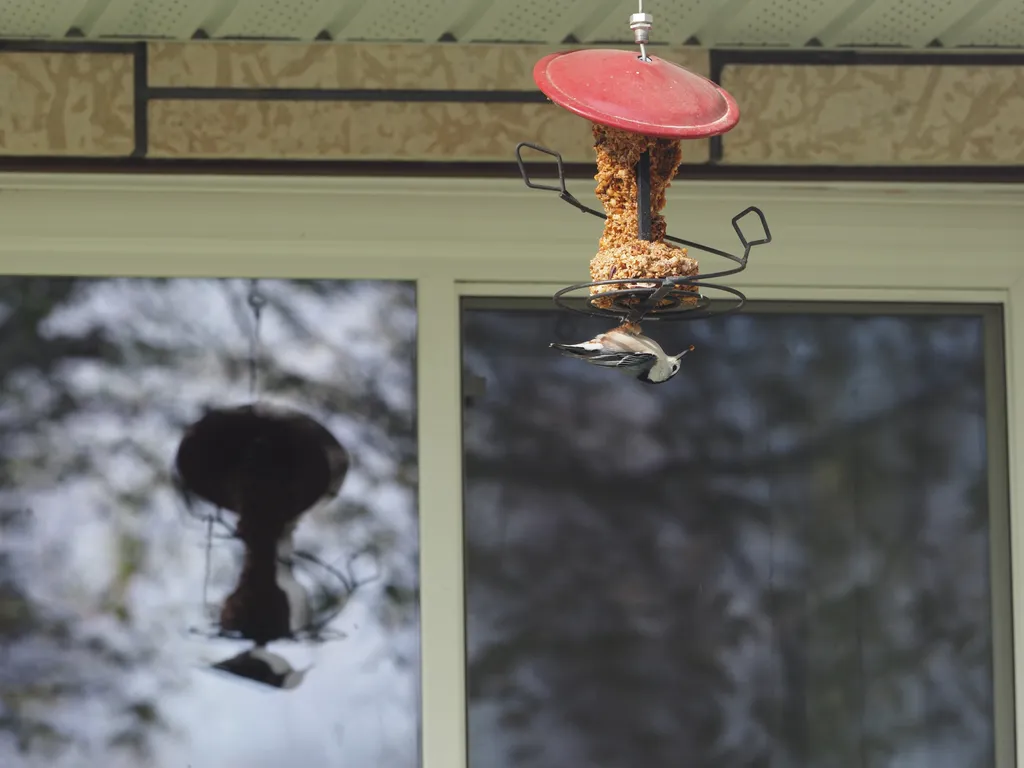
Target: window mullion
441 550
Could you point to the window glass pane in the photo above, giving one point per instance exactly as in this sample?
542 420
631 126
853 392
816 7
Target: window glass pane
114 584
780 557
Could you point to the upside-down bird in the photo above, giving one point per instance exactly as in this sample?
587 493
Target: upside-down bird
262 666
625 348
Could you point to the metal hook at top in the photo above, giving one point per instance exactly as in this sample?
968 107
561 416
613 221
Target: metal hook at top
641 24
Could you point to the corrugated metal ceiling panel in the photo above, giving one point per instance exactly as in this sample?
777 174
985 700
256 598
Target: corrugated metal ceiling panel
711 23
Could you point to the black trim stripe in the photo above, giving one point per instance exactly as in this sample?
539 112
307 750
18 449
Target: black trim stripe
66 46
721 57
583 172
141 102
354 94
716 150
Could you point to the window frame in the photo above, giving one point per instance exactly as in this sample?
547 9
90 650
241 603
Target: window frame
842 242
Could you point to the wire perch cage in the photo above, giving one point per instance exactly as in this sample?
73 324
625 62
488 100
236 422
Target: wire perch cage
669 298
643 103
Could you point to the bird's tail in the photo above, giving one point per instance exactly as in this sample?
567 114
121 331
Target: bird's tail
572 350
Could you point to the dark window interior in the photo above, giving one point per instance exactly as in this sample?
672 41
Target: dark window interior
794 554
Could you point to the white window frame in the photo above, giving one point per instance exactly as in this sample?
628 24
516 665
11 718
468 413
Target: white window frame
456 237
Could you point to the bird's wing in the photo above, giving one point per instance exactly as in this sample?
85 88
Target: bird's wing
631 360
607 356
584 351
630 342
614 341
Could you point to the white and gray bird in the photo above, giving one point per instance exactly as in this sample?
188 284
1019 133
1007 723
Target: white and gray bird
264 667
626 349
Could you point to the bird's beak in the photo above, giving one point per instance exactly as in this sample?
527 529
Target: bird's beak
683 354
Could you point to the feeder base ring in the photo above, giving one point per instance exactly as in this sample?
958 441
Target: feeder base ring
633 304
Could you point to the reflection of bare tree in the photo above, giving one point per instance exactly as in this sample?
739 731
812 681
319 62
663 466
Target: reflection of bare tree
98 580
778 560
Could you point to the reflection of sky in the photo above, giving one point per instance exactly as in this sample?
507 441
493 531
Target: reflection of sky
359 705
885 416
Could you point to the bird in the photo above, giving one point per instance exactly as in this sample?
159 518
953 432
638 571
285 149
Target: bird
627 349
263 666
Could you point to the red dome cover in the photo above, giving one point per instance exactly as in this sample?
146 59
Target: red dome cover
615 88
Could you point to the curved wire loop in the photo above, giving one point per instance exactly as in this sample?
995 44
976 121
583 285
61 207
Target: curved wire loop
333 597
660 301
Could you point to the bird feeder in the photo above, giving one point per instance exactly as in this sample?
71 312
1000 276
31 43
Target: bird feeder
641 108
268 467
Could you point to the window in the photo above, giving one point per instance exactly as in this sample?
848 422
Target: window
113 589
794 554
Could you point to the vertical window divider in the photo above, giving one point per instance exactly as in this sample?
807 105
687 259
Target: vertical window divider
1013 326
442 604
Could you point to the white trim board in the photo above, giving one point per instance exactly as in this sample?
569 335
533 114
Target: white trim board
849 235
842 242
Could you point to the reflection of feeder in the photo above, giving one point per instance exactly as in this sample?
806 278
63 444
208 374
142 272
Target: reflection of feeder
641 108
267 466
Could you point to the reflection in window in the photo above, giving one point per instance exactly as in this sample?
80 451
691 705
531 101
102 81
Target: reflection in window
113 583
779 558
